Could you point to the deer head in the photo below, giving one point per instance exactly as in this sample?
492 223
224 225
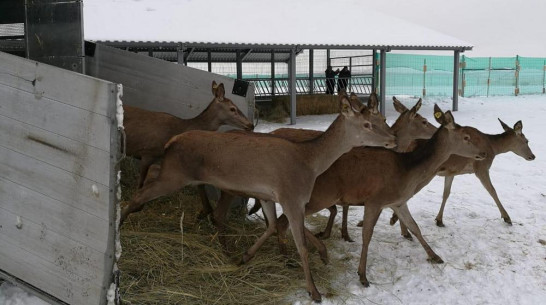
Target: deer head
518 143
361 119
413 125
463 141
225 111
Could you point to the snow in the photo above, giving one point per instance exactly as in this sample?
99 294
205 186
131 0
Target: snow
486 261
254 22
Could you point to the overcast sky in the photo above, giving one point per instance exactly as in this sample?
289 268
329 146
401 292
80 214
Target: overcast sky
494 27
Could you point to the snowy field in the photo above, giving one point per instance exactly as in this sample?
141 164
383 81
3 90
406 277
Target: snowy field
486 261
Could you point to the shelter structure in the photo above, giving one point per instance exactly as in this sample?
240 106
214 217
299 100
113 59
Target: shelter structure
242 31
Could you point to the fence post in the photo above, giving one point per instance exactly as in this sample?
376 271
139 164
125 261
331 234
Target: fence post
489 77
272 72
462 66
350 69
424 77
456 55
516 91
544 78
311 75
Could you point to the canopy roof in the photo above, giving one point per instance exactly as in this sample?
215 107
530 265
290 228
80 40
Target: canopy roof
256 26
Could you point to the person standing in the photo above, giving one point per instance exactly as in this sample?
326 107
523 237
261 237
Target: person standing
343 79
330 79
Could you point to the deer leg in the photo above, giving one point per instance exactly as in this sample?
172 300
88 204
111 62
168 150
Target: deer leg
344 231
256 207
168 181
371 215
328 230
486 182
268 207
207 207
296 220
282 226
219 215
323 253
447 190
406 218
145 163
403 229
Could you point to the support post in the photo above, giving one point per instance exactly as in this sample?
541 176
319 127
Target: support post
328 57
456 54
272 72
382 78
311 76
374 71
209 60
292 77
239 65
516 91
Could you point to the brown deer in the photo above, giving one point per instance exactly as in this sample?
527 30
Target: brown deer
294 135
147 132
268 168
380 178
409 126
512 139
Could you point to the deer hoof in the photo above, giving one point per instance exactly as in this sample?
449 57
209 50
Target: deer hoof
324 258
360 223
315 296
347 238
322 235
408 236
507 220
365 282
439 223
246 258
393 220
435 259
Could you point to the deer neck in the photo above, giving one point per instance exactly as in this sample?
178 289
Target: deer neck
403 141
500 143
424 161
206 120
324 150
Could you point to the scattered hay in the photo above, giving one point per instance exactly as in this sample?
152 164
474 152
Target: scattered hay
158 266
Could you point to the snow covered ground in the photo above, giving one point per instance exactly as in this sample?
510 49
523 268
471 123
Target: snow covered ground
486 261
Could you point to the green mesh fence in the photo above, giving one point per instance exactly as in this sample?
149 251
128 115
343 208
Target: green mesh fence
425 75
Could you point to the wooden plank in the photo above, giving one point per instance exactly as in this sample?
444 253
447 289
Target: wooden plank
50 82
70 257
158 85
44 275
65 120
59 151
81 226
55 183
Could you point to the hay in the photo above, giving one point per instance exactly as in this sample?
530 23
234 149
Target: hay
159 266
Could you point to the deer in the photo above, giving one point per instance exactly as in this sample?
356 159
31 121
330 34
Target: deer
379 178
269 168
512 139
292 134
408 127
147 132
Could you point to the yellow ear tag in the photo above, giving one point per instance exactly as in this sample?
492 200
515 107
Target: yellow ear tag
215 86
437 114
345 107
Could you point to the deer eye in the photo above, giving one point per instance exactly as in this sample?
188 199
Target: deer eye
467 138
232 109
367 125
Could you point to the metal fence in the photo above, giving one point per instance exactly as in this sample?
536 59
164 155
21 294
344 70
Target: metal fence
360 84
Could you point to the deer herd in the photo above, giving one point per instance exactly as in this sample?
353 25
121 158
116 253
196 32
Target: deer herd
358 161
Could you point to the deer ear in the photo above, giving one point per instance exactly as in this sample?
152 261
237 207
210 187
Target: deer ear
414 109
504 126
449 120
214 87
518 127
439 115
398 106
220 92
373 103
346 107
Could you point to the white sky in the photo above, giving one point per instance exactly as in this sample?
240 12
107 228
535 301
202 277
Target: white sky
494 27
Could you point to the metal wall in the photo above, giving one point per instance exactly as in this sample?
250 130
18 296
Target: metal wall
159 85
59 145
